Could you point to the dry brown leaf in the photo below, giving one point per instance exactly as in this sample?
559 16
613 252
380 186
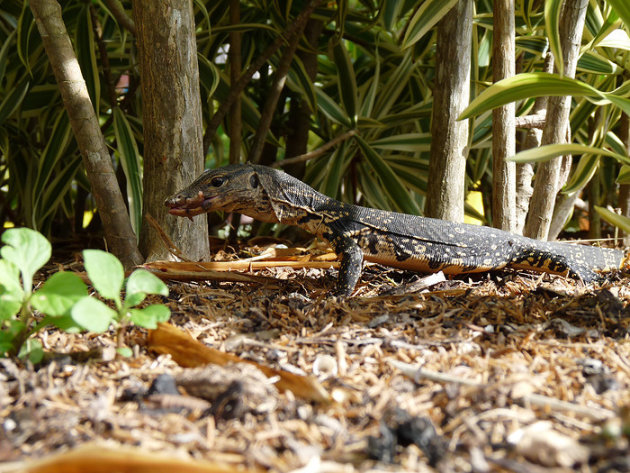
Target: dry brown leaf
94 458
188 352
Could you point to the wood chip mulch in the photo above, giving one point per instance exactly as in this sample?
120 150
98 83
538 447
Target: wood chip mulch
510 371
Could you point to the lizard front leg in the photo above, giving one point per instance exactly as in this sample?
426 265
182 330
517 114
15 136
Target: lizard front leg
351 264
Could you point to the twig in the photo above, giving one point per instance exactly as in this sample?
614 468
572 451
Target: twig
316 152
536 120
416 373
121 16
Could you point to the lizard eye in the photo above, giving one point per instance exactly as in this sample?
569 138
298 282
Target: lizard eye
217 181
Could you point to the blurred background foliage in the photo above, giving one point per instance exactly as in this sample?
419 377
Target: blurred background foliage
363 76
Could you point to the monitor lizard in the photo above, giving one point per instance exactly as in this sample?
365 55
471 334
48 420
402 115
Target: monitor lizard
389 238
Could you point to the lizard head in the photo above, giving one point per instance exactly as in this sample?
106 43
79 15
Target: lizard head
233 188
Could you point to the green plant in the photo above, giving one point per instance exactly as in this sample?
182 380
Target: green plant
107 276
63 299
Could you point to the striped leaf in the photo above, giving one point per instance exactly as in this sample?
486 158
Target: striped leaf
392 186
86 55
13 100
552 27
624 175
425 18
330 108
545 153
130 161
537 84
584 172
410 142
622 7
617 220
346 80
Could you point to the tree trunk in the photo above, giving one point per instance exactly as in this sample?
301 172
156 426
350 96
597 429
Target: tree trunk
624 189
525 171
119 235
236 124
300 113
447 165
547 175
503 129
171 108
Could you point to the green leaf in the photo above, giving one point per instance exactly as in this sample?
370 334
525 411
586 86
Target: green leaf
622 7
32 349
545 153
65 323
409 142
346 80
10 304
300 81
92 314
59 293
13 100
106 273
624 175
130 161
613 218
596 64
124 351
536 84
330 108
86 55
150 316
28 250
427 16
391 184
142 281
4 52
552 25
584 171
10 278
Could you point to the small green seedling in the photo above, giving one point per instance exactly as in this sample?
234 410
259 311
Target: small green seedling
107 276
24 253
63 299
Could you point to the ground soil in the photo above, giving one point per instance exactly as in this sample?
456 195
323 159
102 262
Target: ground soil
510 371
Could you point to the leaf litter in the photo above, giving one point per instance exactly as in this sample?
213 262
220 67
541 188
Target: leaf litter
502 372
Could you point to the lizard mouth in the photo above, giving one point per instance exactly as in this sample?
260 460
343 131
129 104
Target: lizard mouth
189 206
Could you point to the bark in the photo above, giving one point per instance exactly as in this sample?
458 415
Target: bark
525 171
503 127
121 240
547 175
447 165
171 108
624 189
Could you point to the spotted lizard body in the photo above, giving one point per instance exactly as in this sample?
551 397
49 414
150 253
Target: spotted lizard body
389 238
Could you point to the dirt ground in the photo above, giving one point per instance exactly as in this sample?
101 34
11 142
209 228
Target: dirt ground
510 371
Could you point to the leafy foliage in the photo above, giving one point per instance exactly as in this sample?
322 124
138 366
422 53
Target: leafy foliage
63 298
370 69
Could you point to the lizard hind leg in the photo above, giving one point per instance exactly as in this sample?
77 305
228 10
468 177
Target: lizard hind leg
351 265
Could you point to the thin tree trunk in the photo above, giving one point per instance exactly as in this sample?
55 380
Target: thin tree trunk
120 237
300 113
171 107
239 86
236 124
447 165
547 175
280 77
503 129
525 171
624 189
